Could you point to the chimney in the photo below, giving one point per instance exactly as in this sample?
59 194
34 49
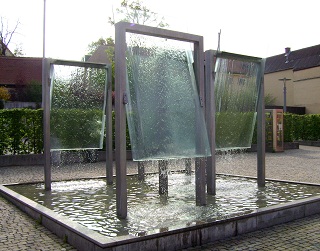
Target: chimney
287 53
287 50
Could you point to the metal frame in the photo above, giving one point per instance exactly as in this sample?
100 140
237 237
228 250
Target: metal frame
210 61
46 82
210 57
121 29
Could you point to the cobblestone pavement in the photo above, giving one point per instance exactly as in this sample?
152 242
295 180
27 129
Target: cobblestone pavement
20 232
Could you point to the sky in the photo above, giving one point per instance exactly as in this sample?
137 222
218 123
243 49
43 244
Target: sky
248 27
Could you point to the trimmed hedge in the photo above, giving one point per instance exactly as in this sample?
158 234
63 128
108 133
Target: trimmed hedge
301 127
21 130
298 127
234 129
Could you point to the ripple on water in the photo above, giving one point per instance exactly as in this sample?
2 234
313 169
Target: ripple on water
92 203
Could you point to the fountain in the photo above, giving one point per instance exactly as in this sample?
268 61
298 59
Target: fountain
169 103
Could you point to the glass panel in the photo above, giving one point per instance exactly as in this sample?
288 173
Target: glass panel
77 107
164 115
236 94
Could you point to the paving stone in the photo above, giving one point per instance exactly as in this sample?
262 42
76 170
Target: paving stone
20 232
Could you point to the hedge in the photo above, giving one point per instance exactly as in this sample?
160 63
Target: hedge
21 130
299 127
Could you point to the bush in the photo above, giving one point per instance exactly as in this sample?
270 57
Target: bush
21 131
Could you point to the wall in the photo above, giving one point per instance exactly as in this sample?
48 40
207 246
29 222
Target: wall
307 89
303 89
274 86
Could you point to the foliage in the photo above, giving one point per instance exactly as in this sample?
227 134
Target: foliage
18 51
4 94
234 129
299 127
303 127
93 46
109 42
84 88
21 131
30 92
269 99
75 128
34 92
136 12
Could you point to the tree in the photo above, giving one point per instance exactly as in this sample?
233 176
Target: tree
6 35
101 41
136 12
130 11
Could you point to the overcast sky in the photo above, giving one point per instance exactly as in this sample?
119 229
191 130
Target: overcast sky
249 27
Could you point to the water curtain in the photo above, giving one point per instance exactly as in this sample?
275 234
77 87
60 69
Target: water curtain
236 93
164 116
78 100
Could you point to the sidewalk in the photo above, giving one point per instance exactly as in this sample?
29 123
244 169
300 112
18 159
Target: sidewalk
20 232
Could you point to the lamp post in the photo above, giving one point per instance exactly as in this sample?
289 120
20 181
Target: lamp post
284 93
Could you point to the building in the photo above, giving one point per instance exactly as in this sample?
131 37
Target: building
100 55
301 69
19 73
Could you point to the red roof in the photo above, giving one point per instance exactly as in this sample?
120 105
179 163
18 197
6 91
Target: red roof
20 70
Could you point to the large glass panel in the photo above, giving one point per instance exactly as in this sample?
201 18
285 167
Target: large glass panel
77 107
164 115
236 94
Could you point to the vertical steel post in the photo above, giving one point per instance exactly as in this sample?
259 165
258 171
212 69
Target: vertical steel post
200 173
261 142
188 169
141 171
163 177
120 120
109 153
46 122
46 108
120 59
210 60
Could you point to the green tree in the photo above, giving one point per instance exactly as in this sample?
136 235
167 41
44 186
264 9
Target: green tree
136 12
130 11
92 47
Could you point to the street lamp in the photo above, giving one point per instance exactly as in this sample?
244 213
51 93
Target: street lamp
284 93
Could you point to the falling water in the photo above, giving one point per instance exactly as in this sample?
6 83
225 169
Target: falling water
236 93
164 115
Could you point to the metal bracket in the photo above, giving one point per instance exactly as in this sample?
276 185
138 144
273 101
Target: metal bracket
125 98
201 101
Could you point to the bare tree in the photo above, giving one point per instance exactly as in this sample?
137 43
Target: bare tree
6 35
